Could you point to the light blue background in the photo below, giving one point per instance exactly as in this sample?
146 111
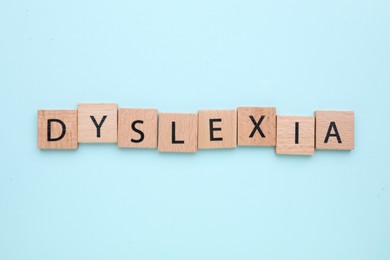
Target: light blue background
102 202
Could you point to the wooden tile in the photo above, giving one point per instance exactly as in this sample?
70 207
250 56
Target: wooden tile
97 123
295 135
256 126
177 132
137 128
217 129
57 129
335 130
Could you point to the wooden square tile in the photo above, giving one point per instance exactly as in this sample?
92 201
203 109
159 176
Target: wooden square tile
177 132
256 126
97 123
217 129
335 130
137 128
57 129
295 135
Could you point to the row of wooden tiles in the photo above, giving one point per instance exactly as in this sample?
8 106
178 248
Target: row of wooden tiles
179 132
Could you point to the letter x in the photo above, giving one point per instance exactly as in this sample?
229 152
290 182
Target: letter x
257 126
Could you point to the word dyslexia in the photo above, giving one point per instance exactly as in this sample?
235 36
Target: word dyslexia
175 132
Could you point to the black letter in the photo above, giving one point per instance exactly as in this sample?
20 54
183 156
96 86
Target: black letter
257 126
336 133
174 141
98 126
138 131
296 132
49 138
212 129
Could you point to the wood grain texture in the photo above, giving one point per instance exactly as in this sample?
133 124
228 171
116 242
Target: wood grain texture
69 119
185 126
225 133
246 136
88 131
145 120
343 124
286 135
